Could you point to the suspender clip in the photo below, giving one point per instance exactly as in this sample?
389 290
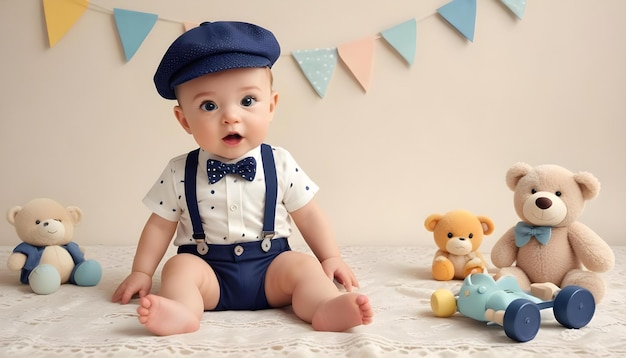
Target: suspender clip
202 247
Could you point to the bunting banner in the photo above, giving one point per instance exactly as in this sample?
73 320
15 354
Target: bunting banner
403 38
462 15
317 65
133 27
516 6
61 15
359 58
189 25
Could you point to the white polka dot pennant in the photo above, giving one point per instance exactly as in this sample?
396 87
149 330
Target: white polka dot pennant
318 66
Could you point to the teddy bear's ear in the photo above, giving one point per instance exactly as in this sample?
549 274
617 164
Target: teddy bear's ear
515 173
431 221
75 213
487 224
588 183
12 214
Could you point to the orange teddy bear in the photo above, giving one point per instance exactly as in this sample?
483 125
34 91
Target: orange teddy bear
458 234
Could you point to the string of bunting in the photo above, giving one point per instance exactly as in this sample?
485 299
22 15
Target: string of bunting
318 65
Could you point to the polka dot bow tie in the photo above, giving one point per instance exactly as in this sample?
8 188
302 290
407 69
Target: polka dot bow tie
216 170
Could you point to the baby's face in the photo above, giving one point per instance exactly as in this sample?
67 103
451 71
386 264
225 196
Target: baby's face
228 112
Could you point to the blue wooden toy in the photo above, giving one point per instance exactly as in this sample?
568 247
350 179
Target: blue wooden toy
504 303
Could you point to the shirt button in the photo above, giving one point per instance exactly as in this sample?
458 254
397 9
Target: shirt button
238 250
234 207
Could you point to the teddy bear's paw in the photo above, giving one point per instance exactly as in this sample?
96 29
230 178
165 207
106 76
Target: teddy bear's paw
589 280
87 273
443 270
44 279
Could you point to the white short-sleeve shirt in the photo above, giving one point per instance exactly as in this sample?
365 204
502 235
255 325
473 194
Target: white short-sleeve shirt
231 209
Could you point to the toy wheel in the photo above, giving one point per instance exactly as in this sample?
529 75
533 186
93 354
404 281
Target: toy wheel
522 320
574 307
443 303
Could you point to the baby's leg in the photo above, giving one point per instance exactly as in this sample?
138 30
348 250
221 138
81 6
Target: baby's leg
298 279
188 287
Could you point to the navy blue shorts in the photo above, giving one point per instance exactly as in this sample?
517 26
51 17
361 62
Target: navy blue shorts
240 270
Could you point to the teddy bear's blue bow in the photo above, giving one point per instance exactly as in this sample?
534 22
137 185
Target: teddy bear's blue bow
523 233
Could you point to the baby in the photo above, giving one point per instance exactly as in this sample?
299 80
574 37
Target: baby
230 203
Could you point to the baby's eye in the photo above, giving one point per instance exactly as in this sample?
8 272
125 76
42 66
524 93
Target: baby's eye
208 106
248 101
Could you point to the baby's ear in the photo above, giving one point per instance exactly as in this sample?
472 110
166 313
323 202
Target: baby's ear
12 214
431 222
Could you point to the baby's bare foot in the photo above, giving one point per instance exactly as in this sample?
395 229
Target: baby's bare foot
164 317
343 312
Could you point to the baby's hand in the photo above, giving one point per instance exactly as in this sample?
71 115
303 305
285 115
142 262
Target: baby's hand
136 282
336 268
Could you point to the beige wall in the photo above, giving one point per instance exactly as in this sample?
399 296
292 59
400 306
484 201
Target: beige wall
79 124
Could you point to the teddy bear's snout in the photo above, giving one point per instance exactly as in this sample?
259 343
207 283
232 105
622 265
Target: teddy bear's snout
543 203
52 228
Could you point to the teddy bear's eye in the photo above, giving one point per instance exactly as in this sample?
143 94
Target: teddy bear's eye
534 191
450 235
470 235
37 222
558 193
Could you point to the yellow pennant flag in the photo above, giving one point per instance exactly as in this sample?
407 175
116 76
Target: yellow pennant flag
61 16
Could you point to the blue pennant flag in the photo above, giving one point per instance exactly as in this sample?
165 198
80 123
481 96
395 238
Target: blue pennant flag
462 15
516 6
403 38
133 27
318 66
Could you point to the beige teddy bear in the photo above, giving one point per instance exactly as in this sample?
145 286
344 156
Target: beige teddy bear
550 248
458 234
47 257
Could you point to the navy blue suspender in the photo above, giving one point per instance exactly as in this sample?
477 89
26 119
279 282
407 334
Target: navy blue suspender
271 190
271 194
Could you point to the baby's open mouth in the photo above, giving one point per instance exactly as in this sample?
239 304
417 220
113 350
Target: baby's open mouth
232 138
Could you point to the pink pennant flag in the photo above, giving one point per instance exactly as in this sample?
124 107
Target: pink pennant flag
359 58
61 15
190 25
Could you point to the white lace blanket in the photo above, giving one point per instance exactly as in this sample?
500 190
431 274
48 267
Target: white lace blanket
82 322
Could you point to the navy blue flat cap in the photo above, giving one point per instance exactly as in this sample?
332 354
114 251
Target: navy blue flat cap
213 47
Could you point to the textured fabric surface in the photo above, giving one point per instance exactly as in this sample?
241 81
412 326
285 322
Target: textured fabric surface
82 322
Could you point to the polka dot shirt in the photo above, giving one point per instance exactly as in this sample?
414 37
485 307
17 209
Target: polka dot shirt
231 209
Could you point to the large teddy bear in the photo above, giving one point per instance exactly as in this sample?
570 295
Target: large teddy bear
47 256
458 235
549 248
